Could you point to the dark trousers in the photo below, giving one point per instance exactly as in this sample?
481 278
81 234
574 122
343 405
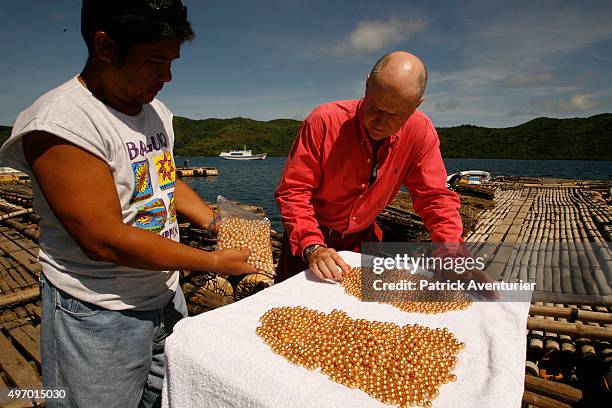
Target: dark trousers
290 265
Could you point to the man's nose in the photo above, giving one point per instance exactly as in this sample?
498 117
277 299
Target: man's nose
165 74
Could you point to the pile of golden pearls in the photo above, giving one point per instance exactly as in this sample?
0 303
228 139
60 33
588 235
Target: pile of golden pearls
240 233
397 365
414 301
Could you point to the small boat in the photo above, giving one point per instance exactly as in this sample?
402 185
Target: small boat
242 155
470 177
8 170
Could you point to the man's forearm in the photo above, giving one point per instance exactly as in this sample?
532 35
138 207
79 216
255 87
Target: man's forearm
190 205
130 246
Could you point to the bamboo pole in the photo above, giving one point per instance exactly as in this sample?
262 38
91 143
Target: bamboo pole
566 313
542 401
19 297
15 214
572 329
559 391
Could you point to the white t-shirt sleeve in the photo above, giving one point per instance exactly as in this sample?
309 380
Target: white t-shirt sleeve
67 122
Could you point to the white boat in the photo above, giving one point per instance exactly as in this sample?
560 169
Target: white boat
470 177
8 170
242 155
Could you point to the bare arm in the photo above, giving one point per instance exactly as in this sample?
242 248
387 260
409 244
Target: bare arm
83 185
189 204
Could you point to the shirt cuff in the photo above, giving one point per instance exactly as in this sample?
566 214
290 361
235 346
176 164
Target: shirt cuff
306 242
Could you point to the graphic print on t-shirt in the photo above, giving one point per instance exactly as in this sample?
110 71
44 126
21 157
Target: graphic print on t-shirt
171 208
152 216
166 171
142 181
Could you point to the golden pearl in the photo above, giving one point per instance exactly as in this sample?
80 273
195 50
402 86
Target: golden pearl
396 365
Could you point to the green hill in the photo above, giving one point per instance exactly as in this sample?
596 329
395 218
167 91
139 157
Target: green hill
541 138
209 137
5 132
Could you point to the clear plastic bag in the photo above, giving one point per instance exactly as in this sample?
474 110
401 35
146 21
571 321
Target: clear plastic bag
240 229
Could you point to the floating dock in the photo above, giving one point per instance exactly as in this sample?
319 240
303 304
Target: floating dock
196 171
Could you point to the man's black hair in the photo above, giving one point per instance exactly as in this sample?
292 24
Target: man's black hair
132 22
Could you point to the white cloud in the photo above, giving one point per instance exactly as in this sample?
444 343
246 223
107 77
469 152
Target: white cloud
468 79
375 36
573 103
527 39
524 79
447 105
596 56
519 113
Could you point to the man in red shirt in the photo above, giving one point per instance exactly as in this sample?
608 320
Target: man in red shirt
348 162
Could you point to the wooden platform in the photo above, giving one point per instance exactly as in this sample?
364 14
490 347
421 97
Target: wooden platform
541 219
20 311
196 171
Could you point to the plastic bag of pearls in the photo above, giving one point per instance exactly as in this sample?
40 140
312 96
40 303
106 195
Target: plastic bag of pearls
240 229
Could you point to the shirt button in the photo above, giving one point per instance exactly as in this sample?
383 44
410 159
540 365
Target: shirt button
369 160
354 218
363 186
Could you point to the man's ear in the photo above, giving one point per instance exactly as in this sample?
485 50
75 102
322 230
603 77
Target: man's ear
104 47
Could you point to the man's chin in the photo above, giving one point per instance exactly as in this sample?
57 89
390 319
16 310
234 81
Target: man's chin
378 136
148 97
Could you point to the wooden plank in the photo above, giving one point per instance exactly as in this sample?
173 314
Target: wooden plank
33 332
4 275
18 278
26 243
571 299
5 262
6 402
19 372
4 287
27 276
559 391
9 246
34 310
29 261
19 297
26 343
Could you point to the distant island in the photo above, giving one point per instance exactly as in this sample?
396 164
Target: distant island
541 138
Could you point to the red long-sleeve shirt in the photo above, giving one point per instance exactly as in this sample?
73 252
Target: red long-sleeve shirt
326 177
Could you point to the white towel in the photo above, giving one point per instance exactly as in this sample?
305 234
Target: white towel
217 360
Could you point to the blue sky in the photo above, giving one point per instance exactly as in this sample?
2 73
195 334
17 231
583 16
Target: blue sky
493 64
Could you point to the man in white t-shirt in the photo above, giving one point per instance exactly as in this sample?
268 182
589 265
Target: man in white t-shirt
99 150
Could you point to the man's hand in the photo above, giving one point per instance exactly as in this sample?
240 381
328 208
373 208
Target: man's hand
327 264
233 262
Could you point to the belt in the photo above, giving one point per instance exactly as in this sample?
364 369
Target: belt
331 232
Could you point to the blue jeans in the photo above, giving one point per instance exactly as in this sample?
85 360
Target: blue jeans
104 358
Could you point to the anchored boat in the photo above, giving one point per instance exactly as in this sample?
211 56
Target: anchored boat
242 155
469 177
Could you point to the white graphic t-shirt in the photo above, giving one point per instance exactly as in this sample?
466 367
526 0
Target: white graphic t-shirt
138 150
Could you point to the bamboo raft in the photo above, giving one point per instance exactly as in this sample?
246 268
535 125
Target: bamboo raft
569 328
569 352
20 308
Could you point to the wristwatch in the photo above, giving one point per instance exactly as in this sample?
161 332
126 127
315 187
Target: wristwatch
309 250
